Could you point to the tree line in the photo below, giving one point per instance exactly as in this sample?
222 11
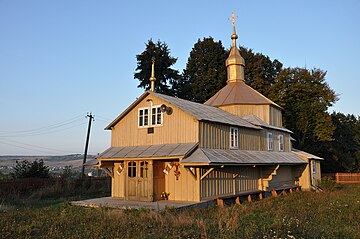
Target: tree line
303 93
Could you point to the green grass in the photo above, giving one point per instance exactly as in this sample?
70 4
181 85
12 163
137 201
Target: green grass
332 214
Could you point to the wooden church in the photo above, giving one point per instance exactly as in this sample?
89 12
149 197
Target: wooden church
233 144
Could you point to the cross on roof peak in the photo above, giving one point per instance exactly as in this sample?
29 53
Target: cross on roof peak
232 18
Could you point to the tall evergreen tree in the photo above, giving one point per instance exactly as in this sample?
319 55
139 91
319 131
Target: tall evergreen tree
205 72
260 70
164 74
305 98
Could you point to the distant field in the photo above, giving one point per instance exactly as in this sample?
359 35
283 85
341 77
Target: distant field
299 215
53 162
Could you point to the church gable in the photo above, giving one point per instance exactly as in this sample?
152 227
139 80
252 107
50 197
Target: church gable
152 120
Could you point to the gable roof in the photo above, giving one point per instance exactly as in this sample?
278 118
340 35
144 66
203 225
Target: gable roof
238 93
200 111
257 121
204 156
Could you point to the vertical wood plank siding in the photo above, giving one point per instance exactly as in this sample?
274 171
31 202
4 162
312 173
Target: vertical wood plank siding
216 136
179 127
222 182
261 111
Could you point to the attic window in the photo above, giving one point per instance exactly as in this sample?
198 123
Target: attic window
270 141
150 116
234 138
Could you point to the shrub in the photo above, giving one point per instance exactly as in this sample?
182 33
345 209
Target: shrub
26 169
327 183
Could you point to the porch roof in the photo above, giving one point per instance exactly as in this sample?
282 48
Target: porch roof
306 154
149 151
203 156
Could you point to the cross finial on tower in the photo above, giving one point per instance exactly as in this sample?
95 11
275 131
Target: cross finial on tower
232 19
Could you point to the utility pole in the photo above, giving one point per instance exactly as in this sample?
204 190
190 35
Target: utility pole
91 118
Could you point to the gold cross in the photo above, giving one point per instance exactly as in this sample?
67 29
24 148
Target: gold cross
232 18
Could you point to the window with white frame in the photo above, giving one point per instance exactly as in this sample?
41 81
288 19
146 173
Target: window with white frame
150 116
270 141
234 138
313 166
281 142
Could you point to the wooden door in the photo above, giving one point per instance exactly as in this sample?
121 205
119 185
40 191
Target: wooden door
159 179
139 181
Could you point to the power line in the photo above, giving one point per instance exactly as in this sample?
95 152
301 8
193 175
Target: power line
39 133
36 146
42 129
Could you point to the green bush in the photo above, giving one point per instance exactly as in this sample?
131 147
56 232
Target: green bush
326 183
35 169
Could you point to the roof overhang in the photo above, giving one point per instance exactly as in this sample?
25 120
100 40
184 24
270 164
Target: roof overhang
220 157
148 152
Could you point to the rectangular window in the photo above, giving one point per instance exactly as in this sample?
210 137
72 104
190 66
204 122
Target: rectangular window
234 138
281 142
270 141
150 116
314 166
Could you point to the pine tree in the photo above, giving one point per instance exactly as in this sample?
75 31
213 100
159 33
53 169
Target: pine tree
164 74
205 72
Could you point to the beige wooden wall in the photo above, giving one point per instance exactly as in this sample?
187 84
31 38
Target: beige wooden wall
275 133
267 113
118 183
217 136
261 111
179 127
275 116
283 176
229 181
187 188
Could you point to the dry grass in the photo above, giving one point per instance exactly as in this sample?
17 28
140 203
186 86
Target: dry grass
333 214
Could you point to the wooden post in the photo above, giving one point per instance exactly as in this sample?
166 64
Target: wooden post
249 198
237 200
273 193
290 190
297 189
283 192
260 196
337 177
220 202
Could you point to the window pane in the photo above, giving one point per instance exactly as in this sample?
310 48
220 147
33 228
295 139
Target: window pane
146 117
158 118
132 169
141 117
144 169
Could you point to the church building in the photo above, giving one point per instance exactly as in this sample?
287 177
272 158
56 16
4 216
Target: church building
164 147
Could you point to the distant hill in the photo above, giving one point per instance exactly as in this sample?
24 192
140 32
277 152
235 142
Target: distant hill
53 162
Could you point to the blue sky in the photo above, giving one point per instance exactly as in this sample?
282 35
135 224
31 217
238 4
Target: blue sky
62 59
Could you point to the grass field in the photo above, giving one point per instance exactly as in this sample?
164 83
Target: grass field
334 214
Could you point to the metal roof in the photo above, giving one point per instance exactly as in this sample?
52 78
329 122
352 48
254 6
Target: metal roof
242 157
197 110
149 151
257 121
305 154
206 112
239 93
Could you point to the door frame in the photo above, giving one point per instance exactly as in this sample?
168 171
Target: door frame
143 185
